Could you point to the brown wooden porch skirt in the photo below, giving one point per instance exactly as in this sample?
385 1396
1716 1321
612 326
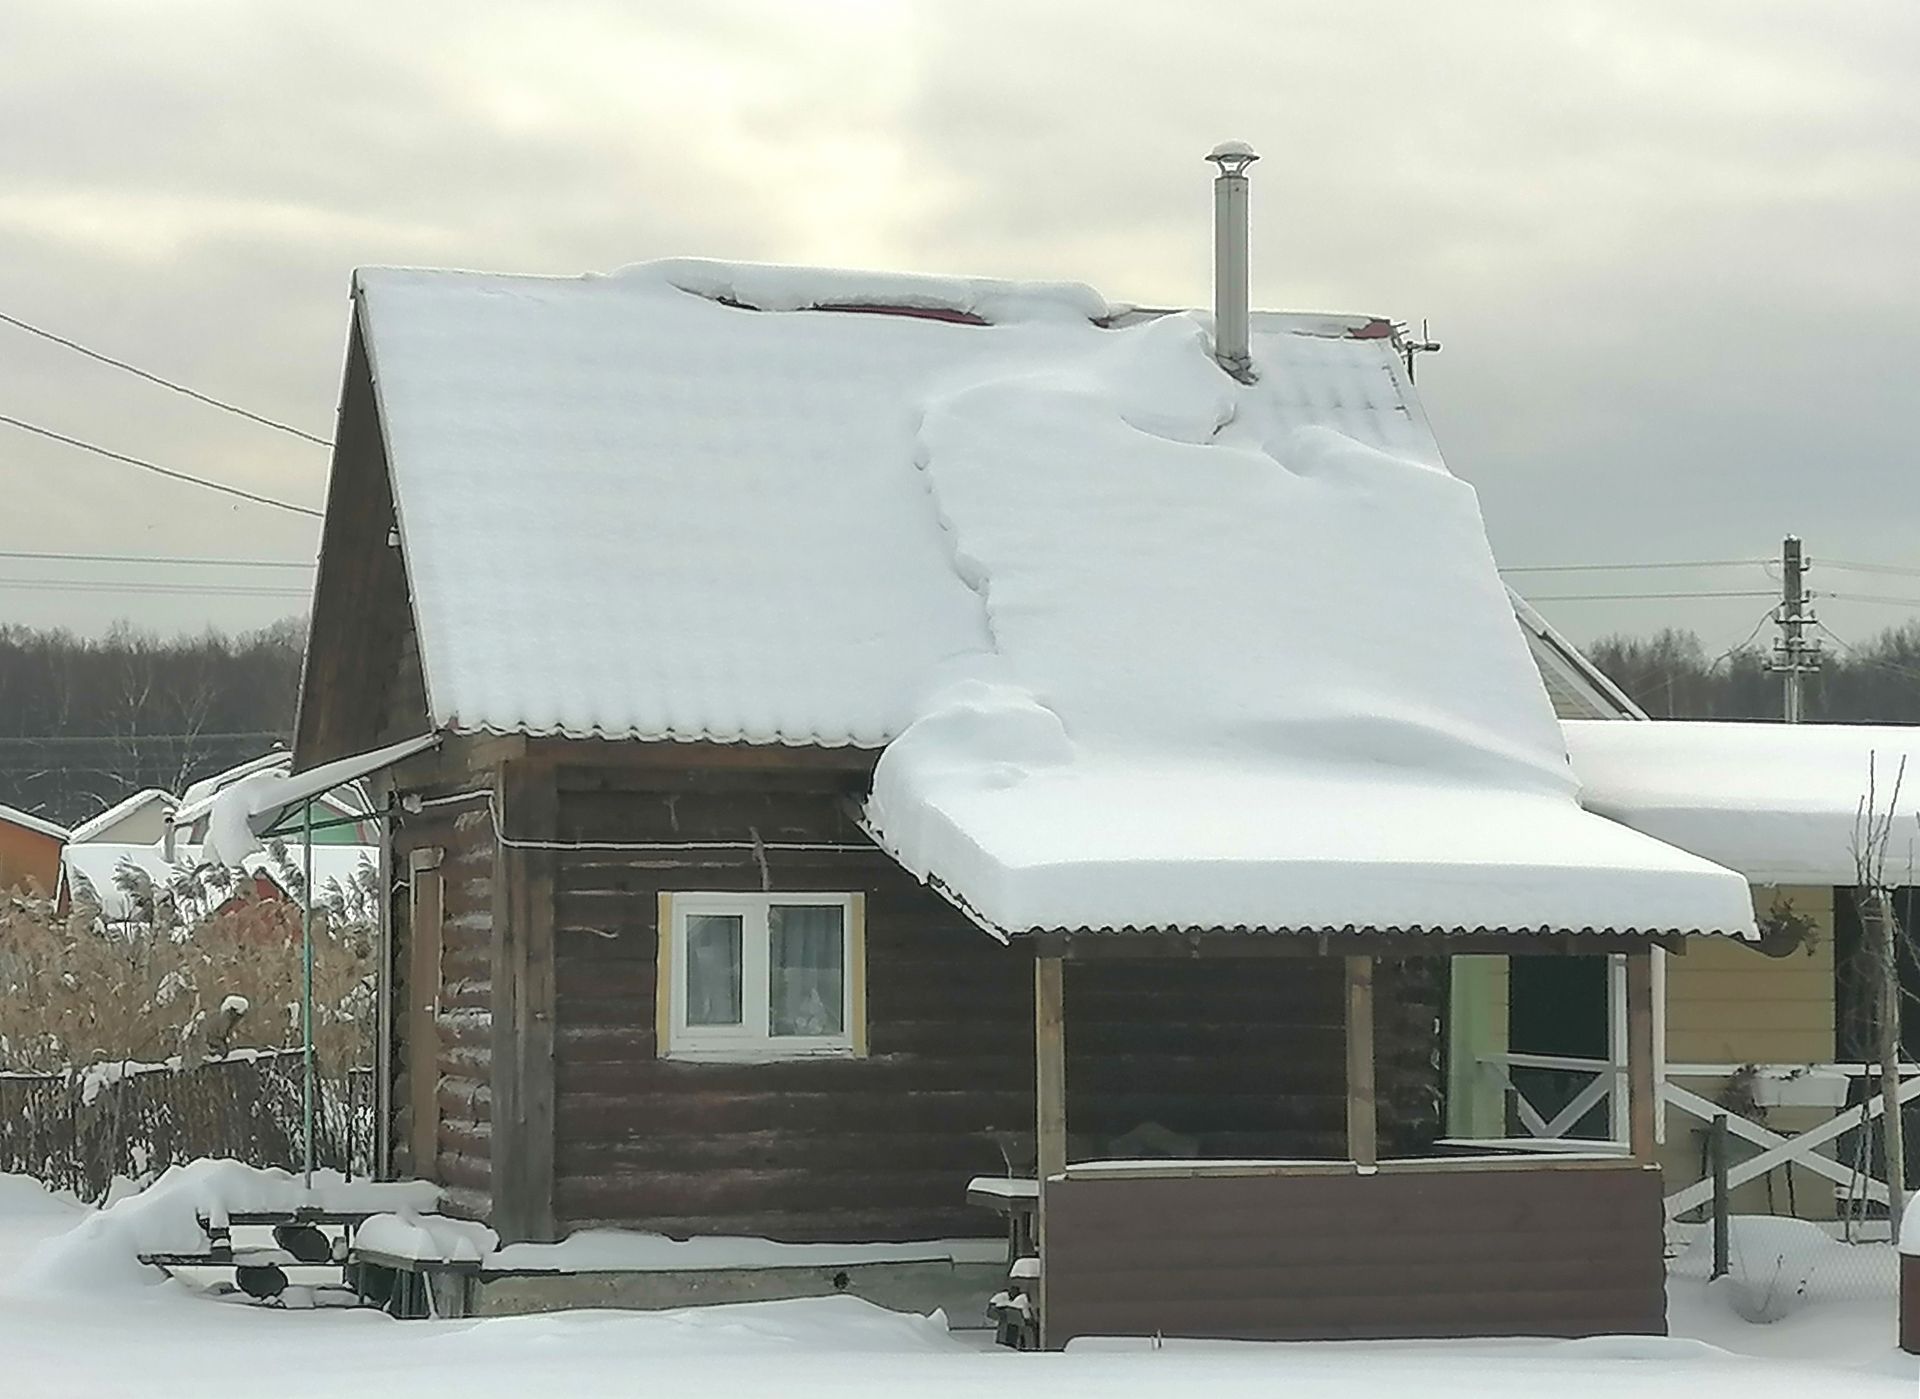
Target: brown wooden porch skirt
1517 1251
1910 1303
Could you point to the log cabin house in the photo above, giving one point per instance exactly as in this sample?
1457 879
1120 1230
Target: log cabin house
846 734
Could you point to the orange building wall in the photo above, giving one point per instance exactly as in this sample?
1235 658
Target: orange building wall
25 855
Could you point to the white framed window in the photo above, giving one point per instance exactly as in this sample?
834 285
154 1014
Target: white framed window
761 976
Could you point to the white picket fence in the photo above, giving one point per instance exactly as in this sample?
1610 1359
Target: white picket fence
1810 1148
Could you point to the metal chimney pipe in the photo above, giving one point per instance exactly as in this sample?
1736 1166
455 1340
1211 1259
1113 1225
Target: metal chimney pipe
1230 334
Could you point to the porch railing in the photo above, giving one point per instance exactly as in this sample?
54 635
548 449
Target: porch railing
1809 1148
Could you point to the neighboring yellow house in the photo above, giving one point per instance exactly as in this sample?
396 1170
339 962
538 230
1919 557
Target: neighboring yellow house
1746 1027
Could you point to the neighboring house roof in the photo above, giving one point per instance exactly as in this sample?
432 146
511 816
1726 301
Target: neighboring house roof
1578 688
90 873
15 817
100 827
199 791
347 799
1146 646
1781 803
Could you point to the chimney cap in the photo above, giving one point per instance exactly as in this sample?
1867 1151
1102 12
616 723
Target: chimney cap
1233 157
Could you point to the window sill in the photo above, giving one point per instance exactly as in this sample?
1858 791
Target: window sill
756 1054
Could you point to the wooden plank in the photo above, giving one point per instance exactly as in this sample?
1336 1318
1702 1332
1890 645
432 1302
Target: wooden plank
1363 1124
663 974
1640 1057
1050 1067
1177 944
1050 1096
523 1123
674 753
857 969
423 1007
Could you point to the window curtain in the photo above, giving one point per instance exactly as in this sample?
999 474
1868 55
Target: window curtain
713 969
807 956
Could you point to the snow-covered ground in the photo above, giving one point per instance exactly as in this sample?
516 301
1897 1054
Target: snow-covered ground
70 1329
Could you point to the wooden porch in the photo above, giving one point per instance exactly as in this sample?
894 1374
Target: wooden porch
1555 1243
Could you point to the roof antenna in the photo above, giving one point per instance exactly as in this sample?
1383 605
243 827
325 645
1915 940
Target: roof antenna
1230 331
1425 345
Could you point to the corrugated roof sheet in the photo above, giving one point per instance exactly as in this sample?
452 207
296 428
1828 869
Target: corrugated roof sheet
1147 647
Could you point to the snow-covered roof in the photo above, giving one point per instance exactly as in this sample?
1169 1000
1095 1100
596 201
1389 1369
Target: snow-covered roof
101 826
242 813
1578 688
198 792
13 816
1150 647
1781 803
90 873
344 798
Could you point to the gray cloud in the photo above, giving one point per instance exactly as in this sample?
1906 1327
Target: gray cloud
1665 245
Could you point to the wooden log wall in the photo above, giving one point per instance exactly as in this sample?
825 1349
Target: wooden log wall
362 685
1245 1058
463 1027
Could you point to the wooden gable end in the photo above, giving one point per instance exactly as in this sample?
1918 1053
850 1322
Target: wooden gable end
362 685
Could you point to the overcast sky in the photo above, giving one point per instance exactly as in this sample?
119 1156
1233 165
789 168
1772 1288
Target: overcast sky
1669 248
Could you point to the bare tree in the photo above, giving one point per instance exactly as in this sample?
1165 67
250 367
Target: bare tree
1872 842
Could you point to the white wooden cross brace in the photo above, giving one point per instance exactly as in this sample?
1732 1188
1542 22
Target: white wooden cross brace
1530 1117
1780 1149
1742 1127
1584 1102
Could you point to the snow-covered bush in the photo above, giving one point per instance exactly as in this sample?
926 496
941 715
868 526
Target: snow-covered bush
72 993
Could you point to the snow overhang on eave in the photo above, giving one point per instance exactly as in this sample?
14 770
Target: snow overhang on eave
1779 803
256 805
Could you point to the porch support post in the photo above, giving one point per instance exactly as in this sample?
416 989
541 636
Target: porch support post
1362 1110
522 1142
1641 1084
1050 1098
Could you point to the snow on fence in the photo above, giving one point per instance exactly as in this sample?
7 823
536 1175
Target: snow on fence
79 1131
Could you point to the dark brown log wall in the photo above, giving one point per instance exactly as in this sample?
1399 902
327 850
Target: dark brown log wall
1510 1252
1245 1057
464 1056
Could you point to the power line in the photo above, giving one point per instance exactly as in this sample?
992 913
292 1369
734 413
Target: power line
1871 568
153 378
153 559
1861 658
1629 567
98 585
161 470
1628 597
1913 602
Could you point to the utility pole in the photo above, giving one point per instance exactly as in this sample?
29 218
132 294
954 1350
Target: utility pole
1794 655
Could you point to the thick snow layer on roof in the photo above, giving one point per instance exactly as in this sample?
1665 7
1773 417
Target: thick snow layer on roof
239 814
1780 803
199 792
632 510
37 824
1150 646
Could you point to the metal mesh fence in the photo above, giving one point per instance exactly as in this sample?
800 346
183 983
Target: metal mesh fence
79 1132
